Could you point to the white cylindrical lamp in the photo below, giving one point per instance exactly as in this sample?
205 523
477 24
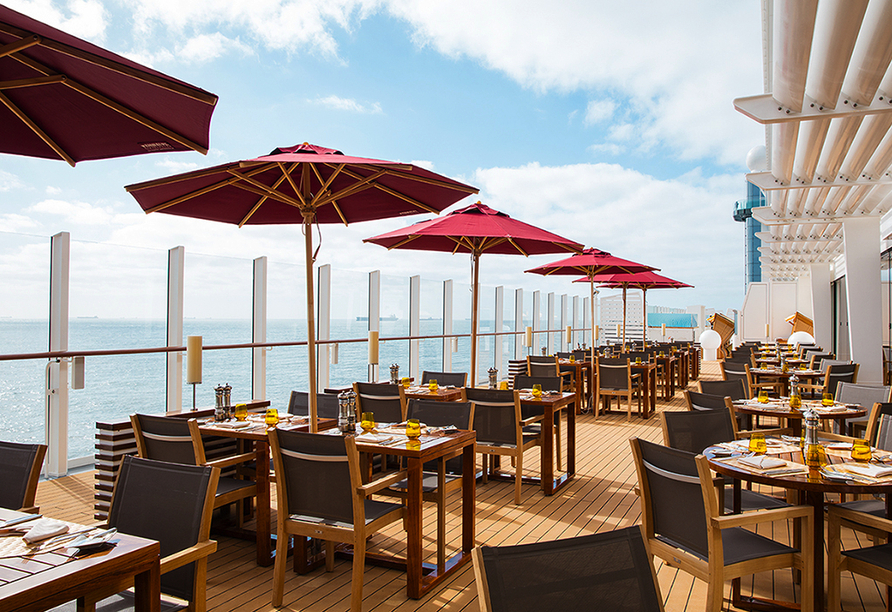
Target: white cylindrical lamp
568 336
193 364
373 347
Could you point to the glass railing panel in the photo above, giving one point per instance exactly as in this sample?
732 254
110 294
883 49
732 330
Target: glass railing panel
461 324
349 319
430 352
485 325
394 323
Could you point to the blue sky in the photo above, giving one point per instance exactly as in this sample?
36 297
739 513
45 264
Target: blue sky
608 123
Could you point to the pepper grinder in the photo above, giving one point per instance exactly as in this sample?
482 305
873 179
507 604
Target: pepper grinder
493 378
395 374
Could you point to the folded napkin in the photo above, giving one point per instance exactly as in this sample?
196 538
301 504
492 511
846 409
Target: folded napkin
762 462
370 438
868 469
232 424
43 529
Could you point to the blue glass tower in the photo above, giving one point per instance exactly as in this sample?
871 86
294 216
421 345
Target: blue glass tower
743 211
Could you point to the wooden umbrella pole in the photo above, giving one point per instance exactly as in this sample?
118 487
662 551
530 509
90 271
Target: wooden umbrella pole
592 377
624 319
644 310
474 288
311 319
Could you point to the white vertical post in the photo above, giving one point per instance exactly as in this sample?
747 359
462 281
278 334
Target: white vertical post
565 302
323 322
176 260
374 313
498 352
518 324
821 304
447 325
861 239
534 350
586 324
549 324
258 329
414 325
57 371
576 324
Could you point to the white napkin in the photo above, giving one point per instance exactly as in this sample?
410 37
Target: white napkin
762 462
43 529
370 438
868 469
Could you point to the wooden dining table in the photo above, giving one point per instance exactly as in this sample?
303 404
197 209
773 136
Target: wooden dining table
41 582
583 369
782 410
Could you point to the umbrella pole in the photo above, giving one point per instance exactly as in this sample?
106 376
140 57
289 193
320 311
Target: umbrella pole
592 377
624 318
644 309
474 285
311 319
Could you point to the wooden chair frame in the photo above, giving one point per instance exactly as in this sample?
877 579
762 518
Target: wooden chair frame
713 570
568 381
837 516
357 534
401 391
33 478
633 388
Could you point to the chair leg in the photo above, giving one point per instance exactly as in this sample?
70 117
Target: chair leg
629 401
715 594
483 457
441 526
557 441
358 570
279 568
329 555
834 559
518 474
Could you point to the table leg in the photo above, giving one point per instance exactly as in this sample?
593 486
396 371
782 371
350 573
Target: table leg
264 547
147 589
468 496
547 449
816 501
579 392
652 393
413 530
571 439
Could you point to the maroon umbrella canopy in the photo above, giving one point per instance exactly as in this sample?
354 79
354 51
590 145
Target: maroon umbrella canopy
64 98
476 229
593 262
301 184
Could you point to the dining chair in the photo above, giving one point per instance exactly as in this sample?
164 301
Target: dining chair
444 379
615 379
544 365
683 525
815 356
20 466
173 504
694 431
834 374
387 401
549 383
863 395
743 371
736 388
499 427
178 440
438 477
611 570
326 404
320 494
874 562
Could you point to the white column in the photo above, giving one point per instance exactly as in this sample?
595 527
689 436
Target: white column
861 238
549 323
414 326
323 323
576 324
562 341
498 341
258 330
586 324
176 258
447 325
518 324
57 384
822 304
374 312
534 350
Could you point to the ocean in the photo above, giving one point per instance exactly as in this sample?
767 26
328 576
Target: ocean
117 386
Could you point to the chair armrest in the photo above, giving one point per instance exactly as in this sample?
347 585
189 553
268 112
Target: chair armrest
838 437
777 431
727 521
530 420
232 460
383 482
188 555
835 512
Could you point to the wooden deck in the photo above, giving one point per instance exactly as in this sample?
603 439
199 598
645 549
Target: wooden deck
600 498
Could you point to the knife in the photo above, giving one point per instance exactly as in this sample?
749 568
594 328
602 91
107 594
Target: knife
19 520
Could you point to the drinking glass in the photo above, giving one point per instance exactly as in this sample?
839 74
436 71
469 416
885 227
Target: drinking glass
763 396
796 401
757 443
572 358
368 421
637 360
272 417
413 429
763 366
537 390
503 385
241 412
432 385
861 451
406 380
827 399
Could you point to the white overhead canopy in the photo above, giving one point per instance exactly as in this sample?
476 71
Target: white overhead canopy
827 120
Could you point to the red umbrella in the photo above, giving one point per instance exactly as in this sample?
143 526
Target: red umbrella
591 263
64 98
640 280
475 229
301 184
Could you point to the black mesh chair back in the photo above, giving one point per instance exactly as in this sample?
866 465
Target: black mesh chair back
815 357
166 439
445 379
20 466
613 373
495 415
383 400
549 383
675 497
440 414
326 404
542 366
164 502
736 371
582 355
840 372
603 571
735 389
644 355
884 433
316 476
705 401
695 430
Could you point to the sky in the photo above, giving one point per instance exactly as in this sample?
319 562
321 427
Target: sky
609 123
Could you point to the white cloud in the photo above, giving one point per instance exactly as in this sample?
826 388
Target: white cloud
50 190
83 18
15 222
9 181
423 163
206 47
598 111
172 166
609 148
347 104
75 213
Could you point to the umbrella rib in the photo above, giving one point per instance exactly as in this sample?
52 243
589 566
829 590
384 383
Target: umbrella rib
266 190
115 106
264 193
404 241
361 185
260 202
158 81
34 128
44 80
287 175
371 182
517 246
432 181
191 194
20 45
340 212
170 180
327 183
